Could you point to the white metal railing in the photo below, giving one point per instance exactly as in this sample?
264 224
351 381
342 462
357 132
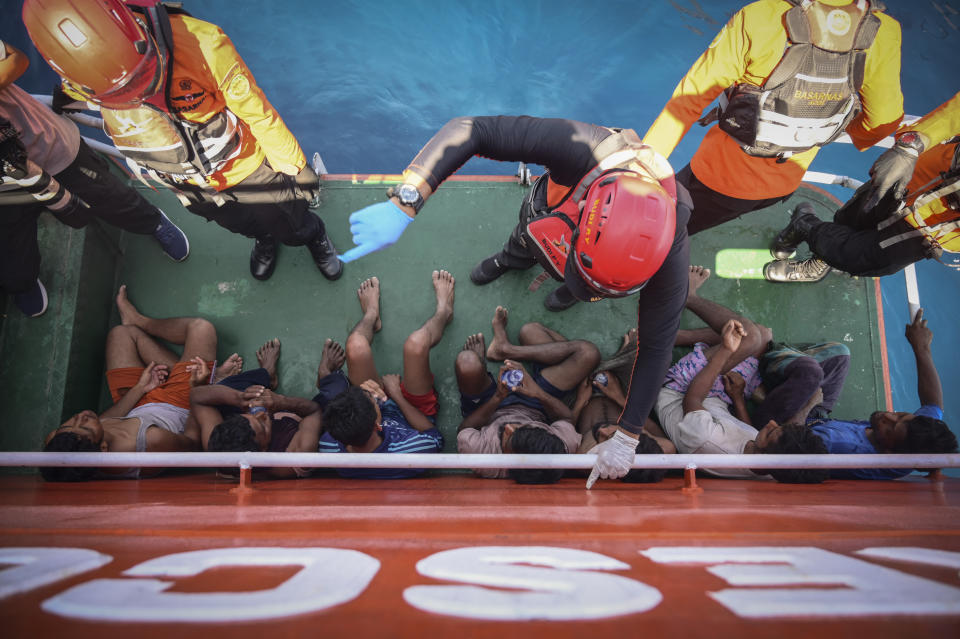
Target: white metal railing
452 460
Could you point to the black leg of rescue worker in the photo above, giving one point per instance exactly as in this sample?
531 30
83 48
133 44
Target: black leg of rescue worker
515 255
89 178
871 252
711 208
19 251
269 207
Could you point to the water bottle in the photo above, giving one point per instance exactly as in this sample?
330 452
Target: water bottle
512 377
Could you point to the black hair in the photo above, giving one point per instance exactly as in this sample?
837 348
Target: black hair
350 417
536 441
233 435
796 439
646 446
928 435
69 443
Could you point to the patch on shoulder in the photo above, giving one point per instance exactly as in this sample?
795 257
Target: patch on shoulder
239 86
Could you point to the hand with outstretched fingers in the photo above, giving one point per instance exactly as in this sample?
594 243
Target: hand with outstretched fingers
890 174
375 227
614 457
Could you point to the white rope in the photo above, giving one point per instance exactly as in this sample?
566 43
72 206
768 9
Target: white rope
452 460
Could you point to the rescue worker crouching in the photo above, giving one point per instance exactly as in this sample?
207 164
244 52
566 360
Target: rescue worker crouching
179 102
907 212
607 220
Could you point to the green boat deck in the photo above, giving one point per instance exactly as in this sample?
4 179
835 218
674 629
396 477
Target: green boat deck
53 365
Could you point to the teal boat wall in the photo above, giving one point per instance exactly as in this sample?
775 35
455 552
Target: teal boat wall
366 83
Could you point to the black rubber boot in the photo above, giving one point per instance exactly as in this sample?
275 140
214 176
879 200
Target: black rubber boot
325 257
802 220
263 258
488 270
560 299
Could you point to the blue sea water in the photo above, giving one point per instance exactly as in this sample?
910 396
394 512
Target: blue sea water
366 83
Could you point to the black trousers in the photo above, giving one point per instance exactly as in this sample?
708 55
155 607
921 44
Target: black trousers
88 177
266 204
852 242
711 208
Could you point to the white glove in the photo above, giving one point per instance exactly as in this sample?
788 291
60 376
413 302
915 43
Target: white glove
614 457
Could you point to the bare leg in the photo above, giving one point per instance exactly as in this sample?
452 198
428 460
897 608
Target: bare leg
359 355
331 359
198 336
716 316
417 376
129 346
568 361
471 366
267 357
621 363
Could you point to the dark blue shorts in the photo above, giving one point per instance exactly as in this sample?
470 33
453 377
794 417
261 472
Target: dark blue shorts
469 403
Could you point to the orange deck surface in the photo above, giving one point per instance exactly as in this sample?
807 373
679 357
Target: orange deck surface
401 522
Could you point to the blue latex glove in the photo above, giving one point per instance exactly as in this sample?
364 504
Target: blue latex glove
375 227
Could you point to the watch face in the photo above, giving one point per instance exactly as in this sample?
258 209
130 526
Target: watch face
408 194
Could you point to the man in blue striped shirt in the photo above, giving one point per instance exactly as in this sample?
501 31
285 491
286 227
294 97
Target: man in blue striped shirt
392 413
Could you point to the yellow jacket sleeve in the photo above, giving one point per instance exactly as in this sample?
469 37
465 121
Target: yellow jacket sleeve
721 65
245 99
747 50
940 124
880 96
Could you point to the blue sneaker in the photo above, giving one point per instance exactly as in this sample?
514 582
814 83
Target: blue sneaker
33 303
172 240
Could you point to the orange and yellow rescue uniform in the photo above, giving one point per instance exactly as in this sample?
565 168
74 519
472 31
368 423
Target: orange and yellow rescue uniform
724 178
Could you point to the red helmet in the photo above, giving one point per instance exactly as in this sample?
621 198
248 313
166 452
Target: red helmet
626 230
99 46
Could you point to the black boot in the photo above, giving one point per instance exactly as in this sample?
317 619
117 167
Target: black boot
263 258
488 270
560 299
802 220
325 257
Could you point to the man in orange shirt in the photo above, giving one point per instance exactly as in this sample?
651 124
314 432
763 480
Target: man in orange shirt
178 101
783 70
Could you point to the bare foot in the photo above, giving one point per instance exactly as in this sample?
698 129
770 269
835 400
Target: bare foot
698 275
129 315
443 283
331 359
629 341
267 356
369 294
233 365
477 344
500 339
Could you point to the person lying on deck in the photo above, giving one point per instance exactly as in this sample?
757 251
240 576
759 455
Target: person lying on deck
922 431
392 413
150 386
600 400
254 417
520 411
693 411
